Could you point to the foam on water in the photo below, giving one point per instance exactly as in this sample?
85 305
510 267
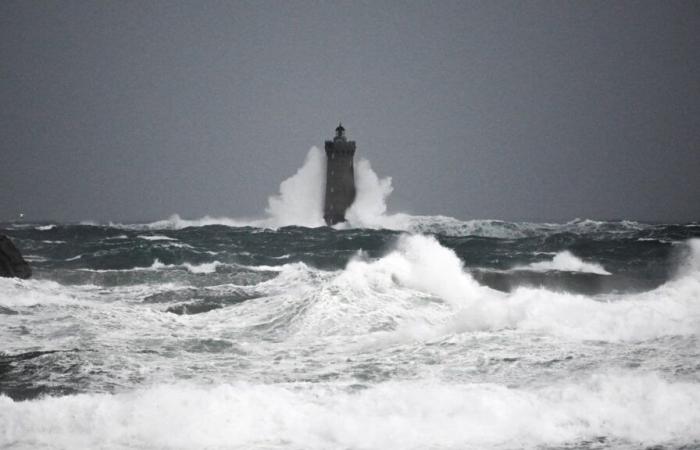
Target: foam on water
568 262
175 222
208 267
221 347
421 291
383 353
204 267
27 293
155 237
619 408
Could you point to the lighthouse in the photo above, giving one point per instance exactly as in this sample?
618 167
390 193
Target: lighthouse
340 177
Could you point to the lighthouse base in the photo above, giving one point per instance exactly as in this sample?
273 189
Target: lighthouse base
332 219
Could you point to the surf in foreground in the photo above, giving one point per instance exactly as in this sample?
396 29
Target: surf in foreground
453 335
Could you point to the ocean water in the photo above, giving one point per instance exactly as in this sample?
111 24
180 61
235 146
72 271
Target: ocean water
388 332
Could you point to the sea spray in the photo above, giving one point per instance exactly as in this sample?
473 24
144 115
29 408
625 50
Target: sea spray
566 261
299 202
300 198
421 264
316 338
369 208
620 409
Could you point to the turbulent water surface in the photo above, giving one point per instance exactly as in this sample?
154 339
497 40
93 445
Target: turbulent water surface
447 334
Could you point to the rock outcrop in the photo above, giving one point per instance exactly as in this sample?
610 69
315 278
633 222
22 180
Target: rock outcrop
11 262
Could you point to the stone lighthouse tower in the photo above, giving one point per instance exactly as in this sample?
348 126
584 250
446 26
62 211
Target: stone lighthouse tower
340 177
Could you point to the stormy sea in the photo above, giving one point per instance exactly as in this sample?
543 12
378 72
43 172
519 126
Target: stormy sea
391 331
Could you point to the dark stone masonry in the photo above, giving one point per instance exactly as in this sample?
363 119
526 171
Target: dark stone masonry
340 177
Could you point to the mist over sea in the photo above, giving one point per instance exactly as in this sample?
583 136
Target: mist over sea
392 331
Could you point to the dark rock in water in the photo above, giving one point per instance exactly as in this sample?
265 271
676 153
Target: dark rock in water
11 262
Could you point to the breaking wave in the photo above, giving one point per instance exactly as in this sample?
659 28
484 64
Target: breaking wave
209 267
156 237
308 338
420 290
566 262
617 409
28 293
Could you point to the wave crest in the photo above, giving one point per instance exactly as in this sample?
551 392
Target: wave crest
566 262
621 408
421 291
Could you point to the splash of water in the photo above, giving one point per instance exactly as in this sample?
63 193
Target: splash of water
623 407
300 202
568 262
300 199
398 288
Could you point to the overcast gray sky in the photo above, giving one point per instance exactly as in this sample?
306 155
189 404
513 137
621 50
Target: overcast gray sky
135 110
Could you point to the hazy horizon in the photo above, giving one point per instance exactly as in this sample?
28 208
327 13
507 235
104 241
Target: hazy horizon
535 111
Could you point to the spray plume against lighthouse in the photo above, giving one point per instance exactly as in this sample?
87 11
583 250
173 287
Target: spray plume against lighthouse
340 177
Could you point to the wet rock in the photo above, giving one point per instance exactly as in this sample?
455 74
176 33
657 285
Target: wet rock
12 264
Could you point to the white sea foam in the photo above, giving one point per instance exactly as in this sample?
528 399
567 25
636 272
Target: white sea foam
567 262
25 293
175 222
623 408
121 236
300 200
203 268
45 227
369 210
394 294
208 267
156 237
34 258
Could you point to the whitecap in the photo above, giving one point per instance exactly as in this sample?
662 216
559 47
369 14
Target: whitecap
565 261
156 237
640 409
